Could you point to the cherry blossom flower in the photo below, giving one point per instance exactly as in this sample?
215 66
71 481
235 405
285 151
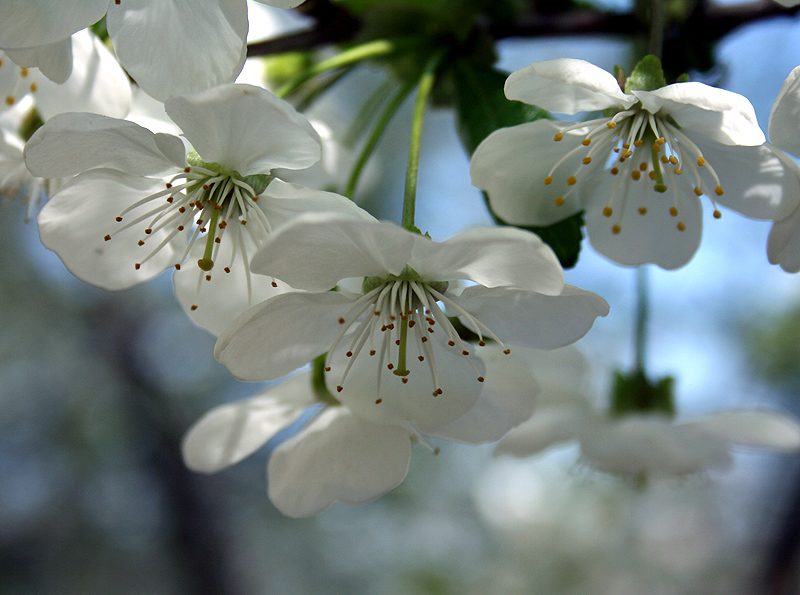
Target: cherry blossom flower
639 173
168 47
783 245
635 443
343 455
396 326
139 203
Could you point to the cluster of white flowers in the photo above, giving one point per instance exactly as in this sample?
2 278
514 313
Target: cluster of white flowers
408 338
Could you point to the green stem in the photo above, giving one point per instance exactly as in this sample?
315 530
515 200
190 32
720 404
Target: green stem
426 82
657 22
642 312
375 136
206 263
372 49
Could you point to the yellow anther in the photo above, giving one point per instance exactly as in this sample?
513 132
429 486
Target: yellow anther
587 160
652 175
627 153
9 100
636 174
34 87
643 210
664 159
678 171
643 166
681 226
673 160
701 161
572 180
615 229
717 214
559 201
611 124
586 142
697 191
23 72
718 190
614 171
656 147
607 212
626 146
661 141
638 143
673 211
548 180
558 136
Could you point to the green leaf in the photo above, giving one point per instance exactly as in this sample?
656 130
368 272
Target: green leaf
481 104
635 393
647 76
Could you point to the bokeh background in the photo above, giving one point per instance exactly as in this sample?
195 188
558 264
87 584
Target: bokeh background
97 389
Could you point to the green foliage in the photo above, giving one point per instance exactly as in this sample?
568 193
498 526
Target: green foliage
482 108
647 76
635 393
774 345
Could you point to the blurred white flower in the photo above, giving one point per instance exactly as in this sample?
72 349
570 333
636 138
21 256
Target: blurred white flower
638 174
635 443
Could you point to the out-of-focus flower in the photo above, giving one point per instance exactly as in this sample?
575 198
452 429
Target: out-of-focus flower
396 327
343 455
169 47
639 173
140 204
635 443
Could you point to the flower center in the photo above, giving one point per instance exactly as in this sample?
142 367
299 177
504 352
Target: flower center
397 315
202 200
16 81
637 146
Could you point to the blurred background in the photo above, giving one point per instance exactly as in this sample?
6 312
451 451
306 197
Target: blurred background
97 389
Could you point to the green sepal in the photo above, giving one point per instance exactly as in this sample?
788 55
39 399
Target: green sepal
482 106
684 78
647 76
30 123
635 393
619 74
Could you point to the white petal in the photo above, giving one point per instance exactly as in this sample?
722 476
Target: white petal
334 248
717 114
511 165
282 3
229 433
389 400
534 320
74 142
172 47
214 304
337 458
246 129
642 239
283 201
28 23
507 399
759 182
562 375
53 60
75 220
282 334
547 427
97 83
493 257
567 85
636 444
785 115
755 429
783 245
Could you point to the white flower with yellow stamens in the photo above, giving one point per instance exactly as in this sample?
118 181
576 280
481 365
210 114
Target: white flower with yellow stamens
638 172
140 204
398 327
